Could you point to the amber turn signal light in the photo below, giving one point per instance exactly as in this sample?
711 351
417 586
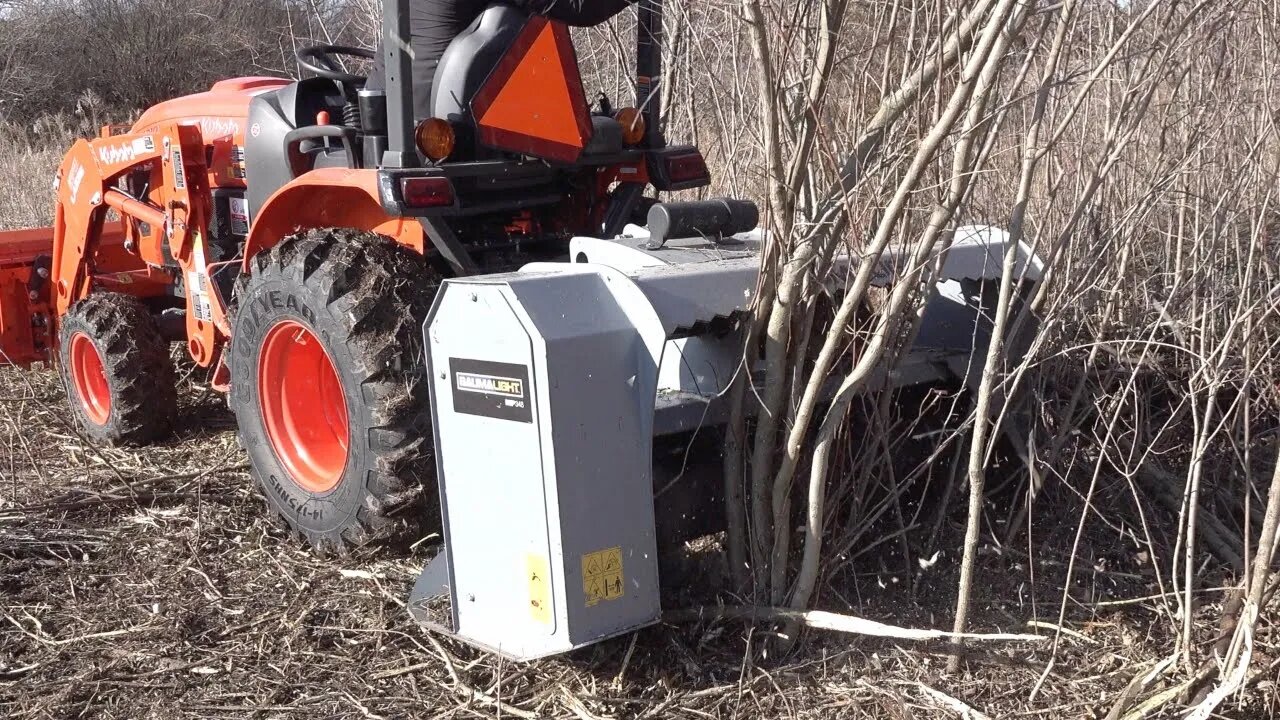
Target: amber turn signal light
435 138
633 125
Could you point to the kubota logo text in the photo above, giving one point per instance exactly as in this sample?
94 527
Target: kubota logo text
126 152
217 128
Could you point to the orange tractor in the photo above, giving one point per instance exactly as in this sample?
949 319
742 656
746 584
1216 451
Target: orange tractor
292 235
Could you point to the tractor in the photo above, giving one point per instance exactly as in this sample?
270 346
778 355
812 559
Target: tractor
292 235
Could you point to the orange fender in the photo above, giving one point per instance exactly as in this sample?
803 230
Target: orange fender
324 198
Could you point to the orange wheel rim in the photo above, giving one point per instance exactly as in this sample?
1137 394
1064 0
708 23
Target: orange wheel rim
90 379
303 408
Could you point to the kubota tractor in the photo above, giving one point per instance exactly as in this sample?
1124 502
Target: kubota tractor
293 234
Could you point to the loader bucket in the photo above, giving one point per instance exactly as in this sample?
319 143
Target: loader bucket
24 295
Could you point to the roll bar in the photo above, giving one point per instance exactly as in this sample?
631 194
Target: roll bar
401 148
649 68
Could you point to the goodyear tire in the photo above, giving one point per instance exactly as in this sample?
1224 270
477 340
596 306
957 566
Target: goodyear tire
328 388
117 371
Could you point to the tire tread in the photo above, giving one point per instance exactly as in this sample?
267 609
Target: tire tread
137 362
384 291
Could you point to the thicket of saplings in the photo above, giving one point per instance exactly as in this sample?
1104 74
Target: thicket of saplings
1134 146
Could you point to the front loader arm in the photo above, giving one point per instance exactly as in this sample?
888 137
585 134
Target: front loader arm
171 220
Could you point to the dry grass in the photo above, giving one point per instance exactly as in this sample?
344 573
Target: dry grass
153 584
28 165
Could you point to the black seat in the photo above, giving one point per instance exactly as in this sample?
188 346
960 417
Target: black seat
469 61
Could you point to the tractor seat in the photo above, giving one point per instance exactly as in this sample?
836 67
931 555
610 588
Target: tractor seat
272 116
470 59
468 63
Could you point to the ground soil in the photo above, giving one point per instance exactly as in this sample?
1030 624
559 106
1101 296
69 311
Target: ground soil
152 583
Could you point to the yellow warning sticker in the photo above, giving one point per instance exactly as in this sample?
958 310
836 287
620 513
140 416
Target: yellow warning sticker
602 575
538 573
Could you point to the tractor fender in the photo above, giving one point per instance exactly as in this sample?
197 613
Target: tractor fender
328 198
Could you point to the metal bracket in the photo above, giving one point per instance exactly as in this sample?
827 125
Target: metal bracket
444 239
624 203
433 586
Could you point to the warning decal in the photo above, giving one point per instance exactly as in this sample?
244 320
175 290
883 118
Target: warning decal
602 575
179 172
239 216
538 572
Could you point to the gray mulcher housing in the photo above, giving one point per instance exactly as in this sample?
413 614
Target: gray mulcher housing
551 388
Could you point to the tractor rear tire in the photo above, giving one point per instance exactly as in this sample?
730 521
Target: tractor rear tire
329 389
117 370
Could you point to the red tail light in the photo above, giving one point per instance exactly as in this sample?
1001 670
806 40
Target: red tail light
678 168
688 168
427 192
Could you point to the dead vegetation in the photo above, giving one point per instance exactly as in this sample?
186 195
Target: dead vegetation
1133 143
153 584
26 173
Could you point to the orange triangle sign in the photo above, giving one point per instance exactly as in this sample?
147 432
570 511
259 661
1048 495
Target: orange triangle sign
533 102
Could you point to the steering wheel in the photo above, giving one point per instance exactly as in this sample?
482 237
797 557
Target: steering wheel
319 60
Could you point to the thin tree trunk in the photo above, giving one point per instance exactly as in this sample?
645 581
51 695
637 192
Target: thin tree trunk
995 350
976 83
